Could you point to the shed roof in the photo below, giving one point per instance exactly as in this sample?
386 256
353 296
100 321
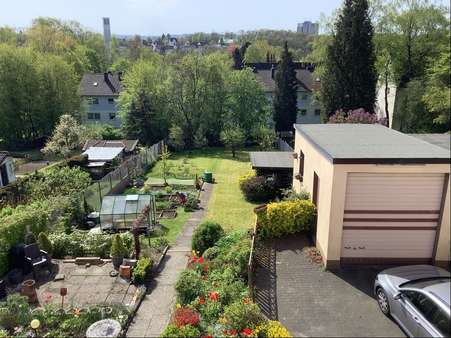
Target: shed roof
441 140
370 144
128 145
103 153
271 159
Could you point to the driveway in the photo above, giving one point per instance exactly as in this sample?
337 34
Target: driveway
313 302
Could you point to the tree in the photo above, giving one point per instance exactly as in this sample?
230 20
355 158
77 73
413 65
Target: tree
247 105
165 154
66 137
239 54
233 137
143 102
349 80
257 51
285 96
264 136
437 96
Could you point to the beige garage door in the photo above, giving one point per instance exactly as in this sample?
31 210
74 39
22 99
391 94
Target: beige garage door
391 218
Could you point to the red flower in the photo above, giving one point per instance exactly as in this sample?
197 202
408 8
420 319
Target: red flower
194 259
214 296
247 332
205 267
201 260
207 336
185 315
201 300
233 332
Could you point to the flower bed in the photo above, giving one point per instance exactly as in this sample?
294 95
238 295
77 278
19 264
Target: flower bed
213 297
17 314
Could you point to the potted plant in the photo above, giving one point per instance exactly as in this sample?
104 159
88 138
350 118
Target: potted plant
118 251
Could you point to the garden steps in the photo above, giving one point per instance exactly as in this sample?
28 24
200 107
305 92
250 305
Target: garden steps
155 311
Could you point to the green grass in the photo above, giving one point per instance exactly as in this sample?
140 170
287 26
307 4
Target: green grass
227 205
170 228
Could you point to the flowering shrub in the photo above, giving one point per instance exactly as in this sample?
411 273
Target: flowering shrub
242 315
189 286
247 176
356 116
286 217
271 329
187 331
186 316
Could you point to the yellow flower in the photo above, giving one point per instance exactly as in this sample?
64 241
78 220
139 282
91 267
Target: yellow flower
178 306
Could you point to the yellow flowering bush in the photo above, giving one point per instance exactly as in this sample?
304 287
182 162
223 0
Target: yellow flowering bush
272 329
247 176
286 217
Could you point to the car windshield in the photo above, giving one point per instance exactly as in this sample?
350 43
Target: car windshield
426 282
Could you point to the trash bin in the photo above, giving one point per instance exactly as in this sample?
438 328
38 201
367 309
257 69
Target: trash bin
208 177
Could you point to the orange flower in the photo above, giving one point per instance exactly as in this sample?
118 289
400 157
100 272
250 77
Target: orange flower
77 312
246 300
205 267
201 300
247 332
214 296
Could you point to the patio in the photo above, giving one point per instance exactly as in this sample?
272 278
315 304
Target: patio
87 285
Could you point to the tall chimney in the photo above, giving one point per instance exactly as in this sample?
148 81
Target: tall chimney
107 37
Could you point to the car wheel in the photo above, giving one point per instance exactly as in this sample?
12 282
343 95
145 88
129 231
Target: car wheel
382 300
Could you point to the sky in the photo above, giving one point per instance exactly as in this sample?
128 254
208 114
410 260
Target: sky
154 17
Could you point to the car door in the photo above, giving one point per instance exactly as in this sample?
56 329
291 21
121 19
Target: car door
406 313
419 310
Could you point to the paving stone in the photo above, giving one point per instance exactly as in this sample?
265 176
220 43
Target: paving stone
155 311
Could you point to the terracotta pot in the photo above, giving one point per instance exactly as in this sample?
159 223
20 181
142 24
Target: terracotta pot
29 290
125 271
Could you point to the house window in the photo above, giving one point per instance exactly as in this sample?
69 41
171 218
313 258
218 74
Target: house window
112 116
111 100
317 112
304 97
302 112
93 116
301 166
95 100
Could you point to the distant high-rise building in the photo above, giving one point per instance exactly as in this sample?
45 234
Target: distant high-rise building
107 35
308 27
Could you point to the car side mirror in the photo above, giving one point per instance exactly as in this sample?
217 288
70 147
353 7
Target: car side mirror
397 296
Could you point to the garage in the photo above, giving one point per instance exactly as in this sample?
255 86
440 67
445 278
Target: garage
382 197
391 218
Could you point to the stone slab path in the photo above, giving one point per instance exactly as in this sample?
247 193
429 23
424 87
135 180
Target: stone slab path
156 309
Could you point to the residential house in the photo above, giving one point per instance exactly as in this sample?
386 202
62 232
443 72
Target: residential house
382 197
99 93
7 175
308 107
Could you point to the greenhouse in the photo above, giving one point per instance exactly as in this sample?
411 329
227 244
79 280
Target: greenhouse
118 212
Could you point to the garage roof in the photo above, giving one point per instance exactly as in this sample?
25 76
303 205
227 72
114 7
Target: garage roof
370 144
271 159
441 140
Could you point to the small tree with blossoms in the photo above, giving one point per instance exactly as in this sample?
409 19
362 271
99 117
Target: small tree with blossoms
356 116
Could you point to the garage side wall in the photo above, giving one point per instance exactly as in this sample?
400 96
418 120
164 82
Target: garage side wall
443 253
316 162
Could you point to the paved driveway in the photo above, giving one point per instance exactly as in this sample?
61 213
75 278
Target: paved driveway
310 301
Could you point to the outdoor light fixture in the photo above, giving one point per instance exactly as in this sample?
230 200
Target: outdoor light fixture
295 155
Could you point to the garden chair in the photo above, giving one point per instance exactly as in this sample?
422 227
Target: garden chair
37 259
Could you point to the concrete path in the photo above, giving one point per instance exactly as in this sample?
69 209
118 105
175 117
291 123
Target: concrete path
156 309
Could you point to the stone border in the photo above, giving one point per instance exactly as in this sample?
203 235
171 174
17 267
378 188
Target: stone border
156 266
140 293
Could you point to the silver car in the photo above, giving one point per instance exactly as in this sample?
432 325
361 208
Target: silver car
417 297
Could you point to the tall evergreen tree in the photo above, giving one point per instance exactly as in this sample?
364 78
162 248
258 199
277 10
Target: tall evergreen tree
349 81
285 97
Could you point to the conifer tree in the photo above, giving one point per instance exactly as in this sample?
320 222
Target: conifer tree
285 97
350 76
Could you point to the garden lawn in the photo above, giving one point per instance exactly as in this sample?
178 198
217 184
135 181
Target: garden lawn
227 205
171 227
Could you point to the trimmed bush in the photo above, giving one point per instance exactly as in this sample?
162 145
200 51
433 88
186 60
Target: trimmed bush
205 236
117 247
287 217
141 270
258 189
45 244
241 315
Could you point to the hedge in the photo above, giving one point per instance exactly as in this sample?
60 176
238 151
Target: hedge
36 217
286 217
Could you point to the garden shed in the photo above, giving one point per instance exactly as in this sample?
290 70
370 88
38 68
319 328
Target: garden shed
118 212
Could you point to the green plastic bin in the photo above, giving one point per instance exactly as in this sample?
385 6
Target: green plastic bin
208 177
